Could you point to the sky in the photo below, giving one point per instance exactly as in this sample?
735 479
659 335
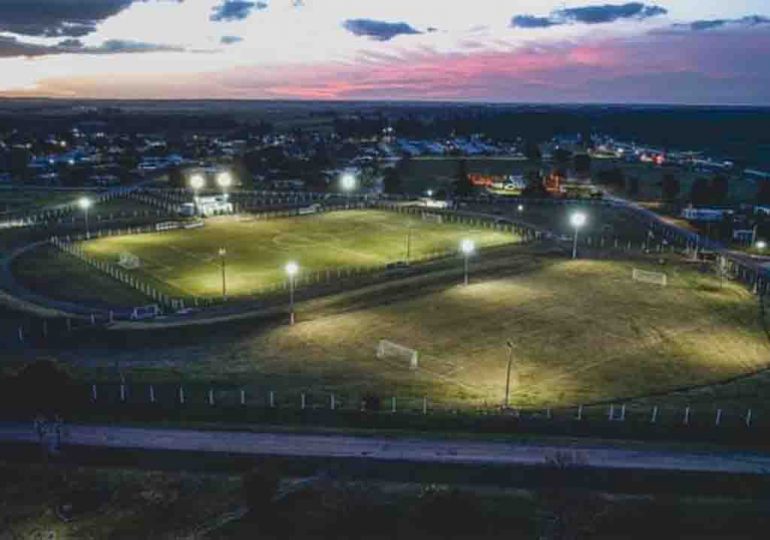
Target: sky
531 51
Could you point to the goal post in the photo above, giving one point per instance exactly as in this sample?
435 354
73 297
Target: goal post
129 261
389 349
645 276
432 218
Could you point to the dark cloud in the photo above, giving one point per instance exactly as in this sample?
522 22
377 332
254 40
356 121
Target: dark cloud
597 14
229 40
530 21
59 18
10 47
610 13
236 10
378 30
56 18
751 20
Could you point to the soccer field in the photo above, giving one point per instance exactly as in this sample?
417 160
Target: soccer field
582 331
186 262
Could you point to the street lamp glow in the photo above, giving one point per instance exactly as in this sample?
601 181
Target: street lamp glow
467 247
85 203
291 270
224 180
761 245
577 219
197 182
520 208
348 182
429 193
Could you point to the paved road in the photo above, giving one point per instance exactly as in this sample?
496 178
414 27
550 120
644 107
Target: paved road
413 450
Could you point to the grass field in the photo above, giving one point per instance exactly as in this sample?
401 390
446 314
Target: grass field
583 331
186 262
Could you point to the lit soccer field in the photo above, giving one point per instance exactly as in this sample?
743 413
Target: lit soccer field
583 331
186 262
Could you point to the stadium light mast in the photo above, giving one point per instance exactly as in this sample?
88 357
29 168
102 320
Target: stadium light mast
223 259
291 270
577 219
85 203
224 181
197 183
467 247
509 343
348 182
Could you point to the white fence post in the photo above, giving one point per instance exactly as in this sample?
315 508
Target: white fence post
243 396
654 415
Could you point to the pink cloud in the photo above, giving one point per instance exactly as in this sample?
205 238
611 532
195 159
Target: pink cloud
689 67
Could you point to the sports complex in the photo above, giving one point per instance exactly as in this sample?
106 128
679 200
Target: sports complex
469 307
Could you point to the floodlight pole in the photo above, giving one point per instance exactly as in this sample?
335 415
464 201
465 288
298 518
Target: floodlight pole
291 300
222 256
508 374
575 242
88 230
467 256
408 243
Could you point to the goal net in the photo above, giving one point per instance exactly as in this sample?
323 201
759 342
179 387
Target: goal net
432 218
129 261
645 276
389 349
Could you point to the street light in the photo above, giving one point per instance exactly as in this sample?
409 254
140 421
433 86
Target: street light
348 182
761 245
291 270
85 203
222 258
520 208
508 375
577 219
429 193
467 247
224 180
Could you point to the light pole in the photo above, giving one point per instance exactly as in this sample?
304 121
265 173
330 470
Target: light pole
291 270
224 181
577 219
408 242
85 203
222 258
197 183
508 374
467 247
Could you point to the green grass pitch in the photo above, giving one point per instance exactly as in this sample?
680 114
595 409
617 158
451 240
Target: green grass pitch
186 262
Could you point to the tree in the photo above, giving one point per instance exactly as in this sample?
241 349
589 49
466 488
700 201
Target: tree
176 177
700 195
763 193
534 187
612 177
532 151
719 189
633 186
391 182
562 156
582 164
462 187
670 188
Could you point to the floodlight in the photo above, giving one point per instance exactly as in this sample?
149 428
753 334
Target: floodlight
197 182
348 182
578 219
761 244
520 208
429 193
467 247
84 203
224 180
222 252
292 268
